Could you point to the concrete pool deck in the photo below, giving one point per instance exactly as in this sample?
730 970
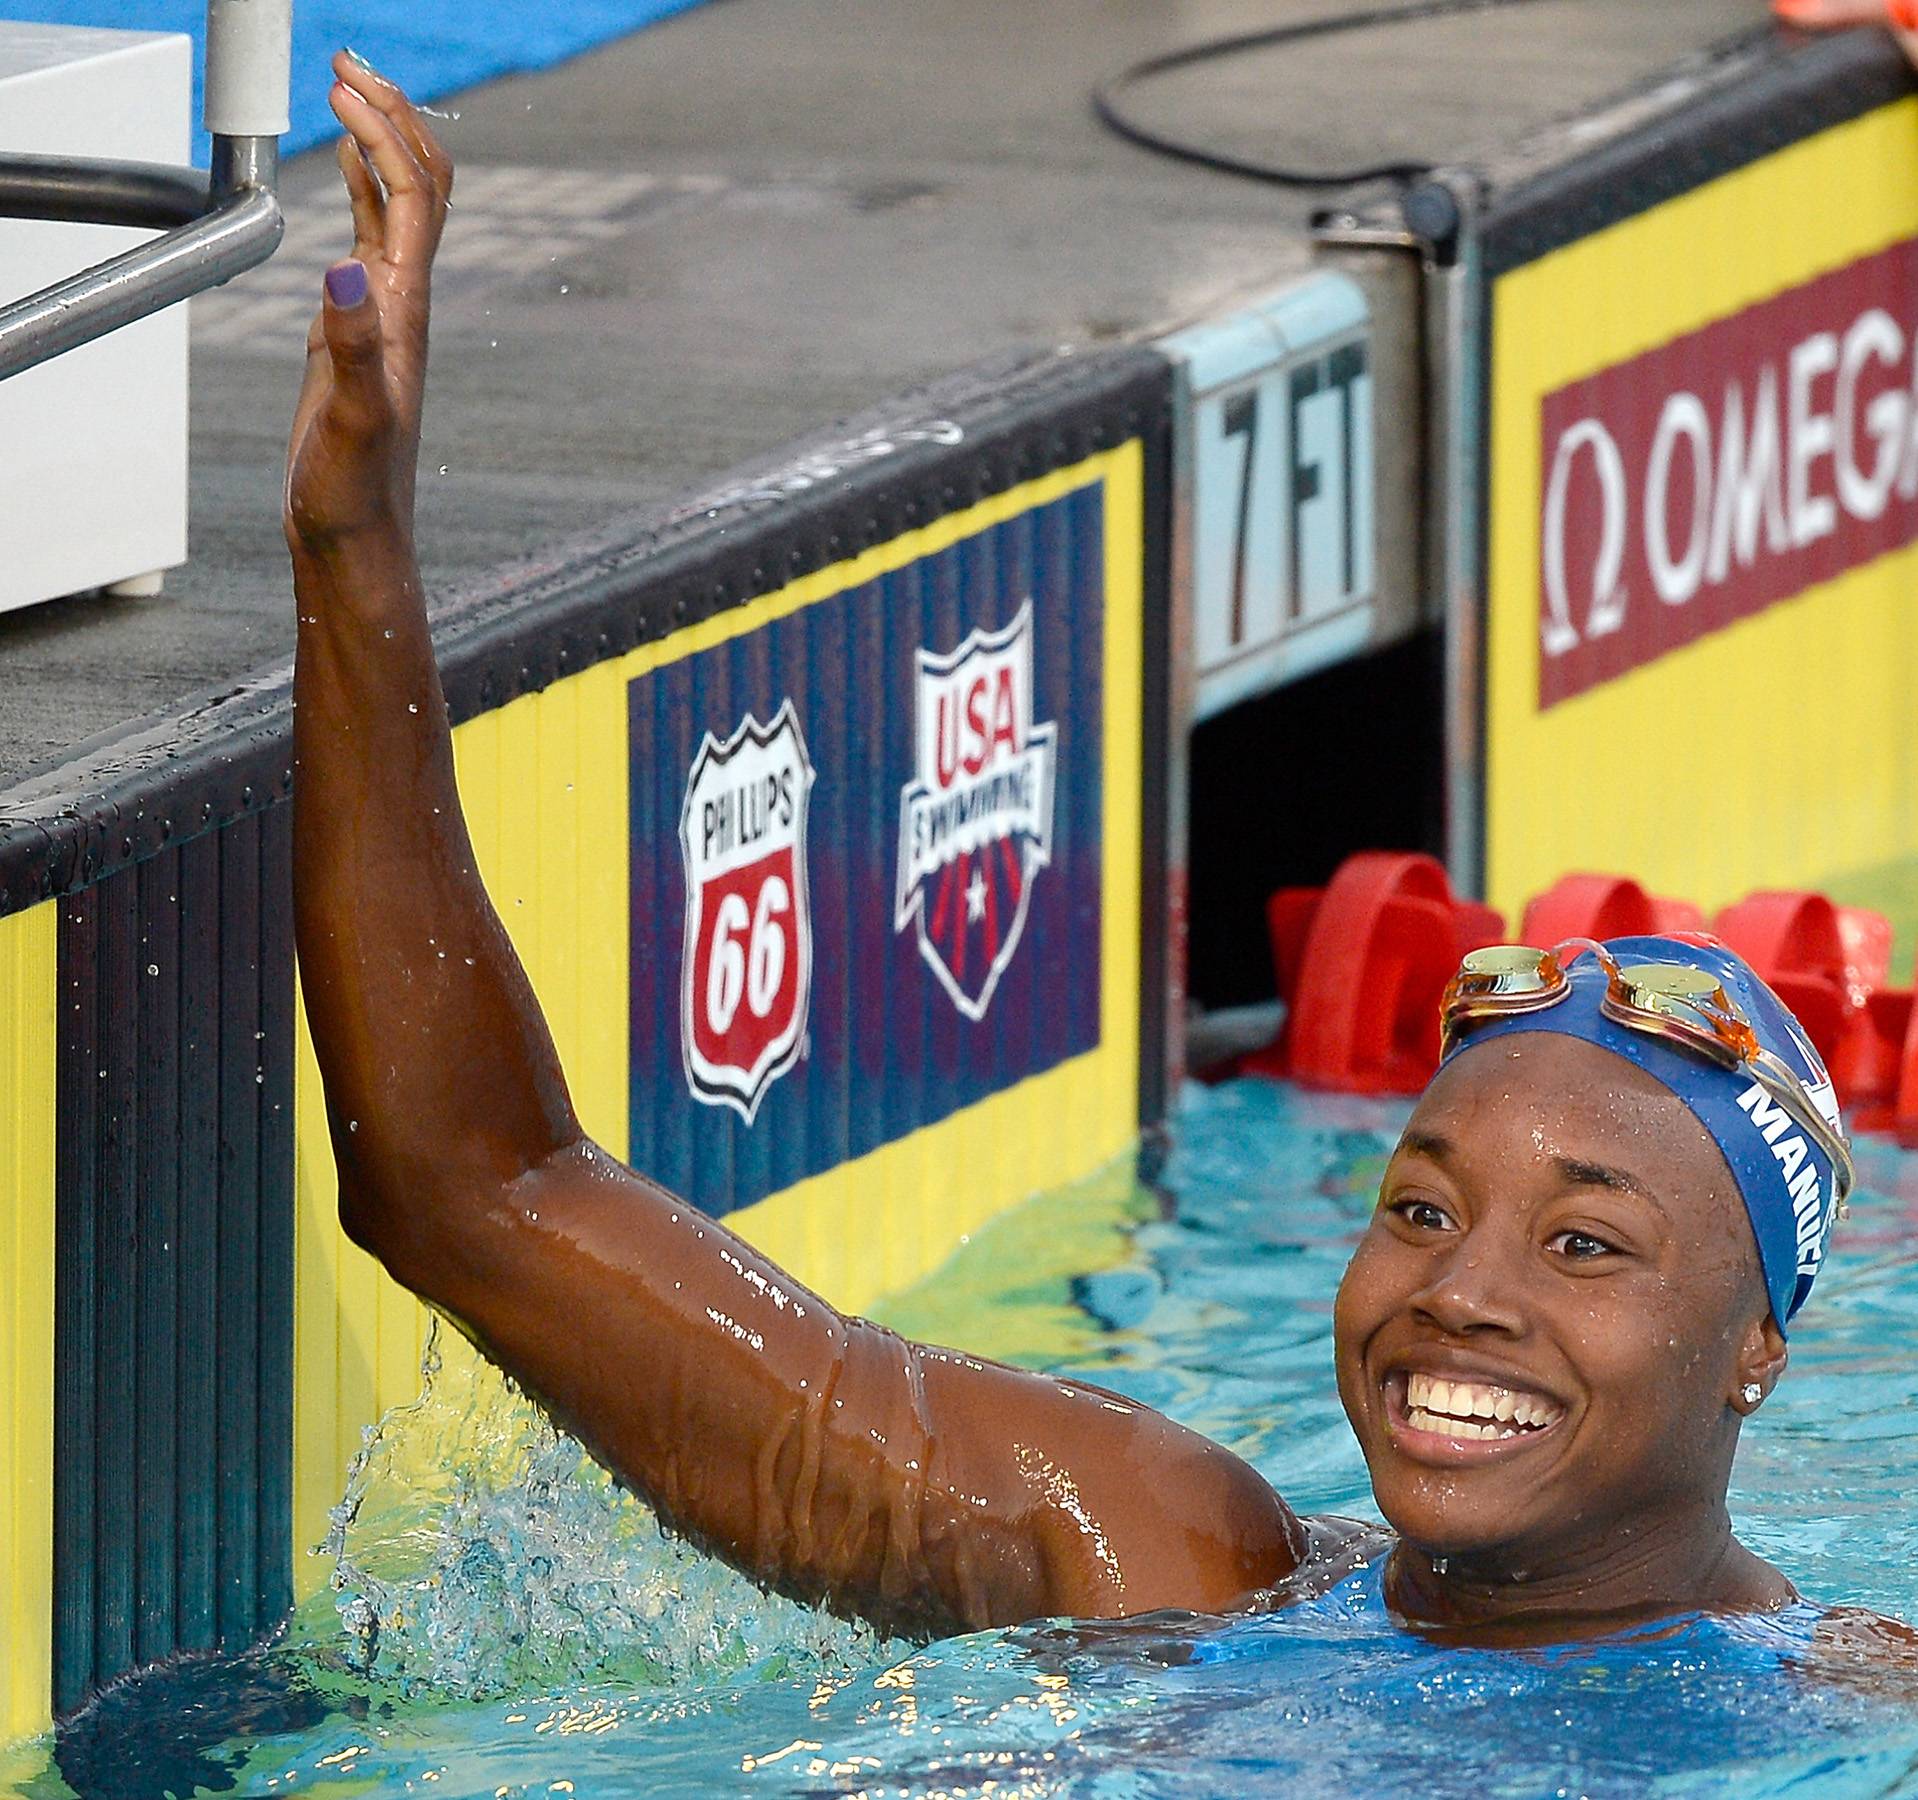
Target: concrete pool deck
682 250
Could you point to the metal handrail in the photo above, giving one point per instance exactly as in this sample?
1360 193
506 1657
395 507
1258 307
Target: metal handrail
213 227
214 224
82 191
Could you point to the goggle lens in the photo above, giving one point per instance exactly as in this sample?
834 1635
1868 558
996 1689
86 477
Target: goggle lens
1676 1001
1509 969
1502 978
1679 1000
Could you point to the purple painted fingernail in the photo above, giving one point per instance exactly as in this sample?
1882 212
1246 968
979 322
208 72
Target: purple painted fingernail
346 283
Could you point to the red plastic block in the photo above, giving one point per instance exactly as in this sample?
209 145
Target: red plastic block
1361 965
1603 906
1875 1068
1679 918
1866 937
1826 963
1785 932
1288 917
1898 1009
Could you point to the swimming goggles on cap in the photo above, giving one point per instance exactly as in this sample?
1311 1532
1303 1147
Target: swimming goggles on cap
1682 1004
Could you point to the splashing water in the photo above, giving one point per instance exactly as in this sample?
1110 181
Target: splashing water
480 1551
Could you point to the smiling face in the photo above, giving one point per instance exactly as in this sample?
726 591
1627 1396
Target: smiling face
1541 1336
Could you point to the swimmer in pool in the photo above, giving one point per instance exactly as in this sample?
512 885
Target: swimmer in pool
1588 1247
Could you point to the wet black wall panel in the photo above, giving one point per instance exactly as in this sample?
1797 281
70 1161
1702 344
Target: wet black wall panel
156 1013
173 1427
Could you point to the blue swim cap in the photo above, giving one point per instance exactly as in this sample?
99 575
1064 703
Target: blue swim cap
1785 1177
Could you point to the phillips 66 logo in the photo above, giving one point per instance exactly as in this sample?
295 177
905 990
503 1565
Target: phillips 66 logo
975 822
746 973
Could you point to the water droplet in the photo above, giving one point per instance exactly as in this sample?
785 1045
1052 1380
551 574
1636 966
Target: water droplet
410 707
387 633
153 968
443 468
352 1124
564 288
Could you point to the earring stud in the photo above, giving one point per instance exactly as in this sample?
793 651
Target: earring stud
1753 1393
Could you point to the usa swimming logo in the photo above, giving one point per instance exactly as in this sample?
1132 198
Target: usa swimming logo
746 970
975 822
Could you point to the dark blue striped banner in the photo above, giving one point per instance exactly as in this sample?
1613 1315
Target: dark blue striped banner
950 712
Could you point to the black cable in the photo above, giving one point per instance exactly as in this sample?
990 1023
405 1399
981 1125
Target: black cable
1105 97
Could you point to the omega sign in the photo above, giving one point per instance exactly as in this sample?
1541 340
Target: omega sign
1725 471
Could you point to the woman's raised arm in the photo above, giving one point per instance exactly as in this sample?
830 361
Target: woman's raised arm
928 1491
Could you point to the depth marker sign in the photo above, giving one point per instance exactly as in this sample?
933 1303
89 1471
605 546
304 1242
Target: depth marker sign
1277 515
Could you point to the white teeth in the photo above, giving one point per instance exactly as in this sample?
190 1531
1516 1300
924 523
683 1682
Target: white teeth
1440 1426
1457 1405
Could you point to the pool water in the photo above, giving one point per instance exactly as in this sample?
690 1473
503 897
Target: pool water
509 1624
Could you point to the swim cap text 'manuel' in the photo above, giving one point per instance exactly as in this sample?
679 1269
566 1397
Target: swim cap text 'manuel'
1800 1166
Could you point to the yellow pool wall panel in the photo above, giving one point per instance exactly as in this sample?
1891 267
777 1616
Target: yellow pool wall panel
28 944
1779 751
544 784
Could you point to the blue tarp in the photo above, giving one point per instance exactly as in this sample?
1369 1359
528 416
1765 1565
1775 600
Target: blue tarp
431 47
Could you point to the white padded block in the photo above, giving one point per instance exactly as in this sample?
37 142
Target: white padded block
93 445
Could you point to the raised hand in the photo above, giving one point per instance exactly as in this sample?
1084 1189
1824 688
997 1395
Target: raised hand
353 456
